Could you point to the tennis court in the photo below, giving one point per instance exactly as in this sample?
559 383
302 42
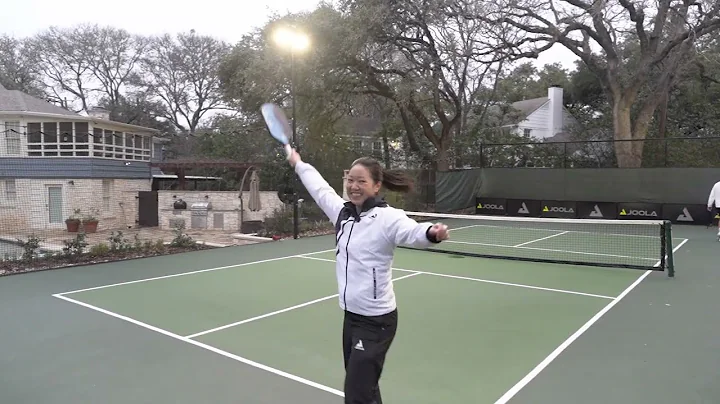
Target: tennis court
472 329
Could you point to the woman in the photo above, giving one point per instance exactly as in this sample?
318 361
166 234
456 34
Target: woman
367 231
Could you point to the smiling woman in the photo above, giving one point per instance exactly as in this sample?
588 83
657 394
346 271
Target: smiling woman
367 231
367 176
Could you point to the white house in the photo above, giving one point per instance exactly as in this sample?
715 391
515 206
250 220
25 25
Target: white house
542 118
54 161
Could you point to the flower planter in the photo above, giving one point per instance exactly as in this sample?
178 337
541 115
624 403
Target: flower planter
90 226
73 225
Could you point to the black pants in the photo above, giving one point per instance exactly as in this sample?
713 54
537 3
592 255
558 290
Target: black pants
366 341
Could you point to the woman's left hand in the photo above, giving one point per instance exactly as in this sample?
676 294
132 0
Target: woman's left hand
440 231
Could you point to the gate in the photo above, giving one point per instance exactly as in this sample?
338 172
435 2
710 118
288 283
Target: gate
148 209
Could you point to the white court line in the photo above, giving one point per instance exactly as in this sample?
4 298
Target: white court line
483 280
554 354
280 311
207 347
540 239
657 264
189 273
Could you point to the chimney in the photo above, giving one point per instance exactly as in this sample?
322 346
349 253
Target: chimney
99 112
555 121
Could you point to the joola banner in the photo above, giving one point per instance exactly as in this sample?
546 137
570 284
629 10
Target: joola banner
523 207
635 211
565 209
686 214
596 210
490 206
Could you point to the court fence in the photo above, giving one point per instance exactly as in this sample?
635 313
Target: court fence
669 152
673 171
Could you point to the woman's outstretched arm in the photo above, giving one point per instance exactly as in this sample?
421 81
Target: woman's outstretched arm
324 195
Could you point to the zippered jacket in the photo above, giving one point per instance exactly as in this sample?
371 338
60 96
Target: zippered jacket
365 240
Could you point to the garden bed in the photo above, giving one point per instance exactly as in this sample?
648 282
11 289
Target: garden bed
75 251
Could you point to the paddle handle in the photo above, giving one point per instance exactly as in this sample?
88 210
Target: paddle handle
288 151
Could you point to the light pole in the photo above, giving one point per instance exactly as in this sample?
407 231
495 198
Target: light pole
296 42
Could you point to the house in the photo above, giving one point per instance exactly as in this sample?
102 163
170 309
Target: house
541 118
54 162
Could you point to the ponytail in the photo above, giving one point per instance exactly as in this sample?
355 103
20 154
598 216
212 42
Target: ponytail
393 180
397 180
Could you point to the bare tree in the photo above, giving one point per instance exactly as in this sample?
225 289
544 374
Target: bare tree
113 55
635 48
64 64
182 73
430 58
16 68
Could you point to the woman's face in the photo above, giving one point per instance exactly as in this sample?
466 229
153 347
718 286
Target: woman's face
360 185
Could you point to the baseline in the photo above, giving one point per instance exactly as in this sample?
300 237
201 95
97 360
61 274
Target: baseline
554 354
206 347
188 273
519 285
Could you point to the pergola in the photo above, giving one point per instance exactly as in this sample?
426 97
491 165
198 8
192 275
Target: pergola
180 166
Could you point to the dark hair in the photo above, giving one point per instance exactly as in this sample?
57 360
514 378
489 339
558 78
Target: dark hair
393 180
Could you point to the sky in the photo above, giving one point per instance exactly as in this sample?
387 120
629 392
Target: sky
223 19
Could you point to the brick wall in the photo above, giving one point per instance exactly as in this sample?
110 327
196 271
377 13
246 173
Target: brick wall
114 200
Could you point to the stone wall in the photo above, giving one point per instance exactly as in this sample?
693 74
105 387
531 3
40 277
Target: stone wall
224 212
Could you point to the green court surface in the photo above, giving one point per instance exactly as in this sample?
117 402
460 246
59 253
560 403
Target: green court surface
264 325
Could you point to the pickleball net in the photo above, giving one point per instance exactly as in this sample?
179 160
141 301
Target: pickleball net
639 244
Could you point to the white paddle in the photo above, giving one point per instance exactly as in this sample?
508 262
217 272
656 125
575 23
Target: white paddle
277 124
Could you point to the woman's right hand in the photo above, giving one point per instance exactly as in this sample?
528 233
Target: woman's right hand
294 158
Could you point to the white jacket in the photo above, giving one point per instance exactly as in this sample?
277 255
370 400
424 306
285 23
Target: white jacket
365 243
714 195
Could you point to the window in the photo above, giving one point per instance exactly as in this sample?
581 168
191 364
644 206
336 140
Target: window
50 138
377 146
72 139
526 132
82 135
106 192
12 138
67 138
10 190
34 139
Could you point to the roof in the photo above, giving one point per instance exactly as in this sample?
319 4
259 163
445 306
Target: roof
202 163
187 177
15 102
527 107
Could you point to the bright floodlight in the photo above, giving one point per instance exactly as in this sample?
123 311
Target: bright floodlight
296 41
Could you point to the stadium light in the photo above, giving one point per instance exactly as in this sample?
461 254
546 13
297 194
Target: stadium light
297 42
294 40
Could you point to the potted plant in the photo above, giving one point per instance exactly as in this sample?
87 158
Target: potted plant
73 222
90 221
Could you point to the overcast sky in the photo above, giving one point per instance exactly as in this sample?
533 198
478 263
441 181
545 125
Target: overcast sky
223 19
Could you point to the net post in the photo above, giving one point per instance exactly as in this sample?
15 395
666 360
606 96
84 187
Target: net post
668 245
